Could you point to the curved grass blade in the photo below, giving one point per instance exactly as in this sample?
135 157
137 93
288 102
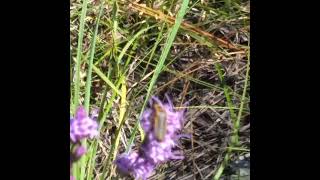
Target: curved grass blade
173 32
103 77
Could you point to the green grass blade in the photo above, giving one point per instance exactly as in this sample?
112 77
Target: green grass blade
77 80
173 32
91 156
234 138
159 38
114 146
233 118
92 52
126 47
103 77
79 54
226 92
237 125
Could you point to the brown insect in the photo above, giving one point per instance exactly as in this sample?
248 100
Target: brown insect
159 122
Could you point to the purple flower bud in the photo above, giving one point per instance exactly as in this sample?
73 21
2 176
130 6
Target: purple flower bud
82 126
76 153
80 151
158 145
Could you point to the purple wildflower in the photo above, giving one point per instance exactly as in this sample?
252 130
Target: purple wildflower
82 126
154 151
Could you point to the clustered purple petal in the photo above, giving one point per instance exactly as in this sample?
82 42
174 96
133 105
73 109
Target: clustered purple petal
152 152
81 127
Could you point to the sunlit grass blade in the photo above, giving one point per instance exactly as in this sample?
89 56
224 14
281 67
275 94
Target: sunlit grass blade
114 146
172 34
90 63
121 120
76 96
106 80
126 47
91 152
159 38
236 122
